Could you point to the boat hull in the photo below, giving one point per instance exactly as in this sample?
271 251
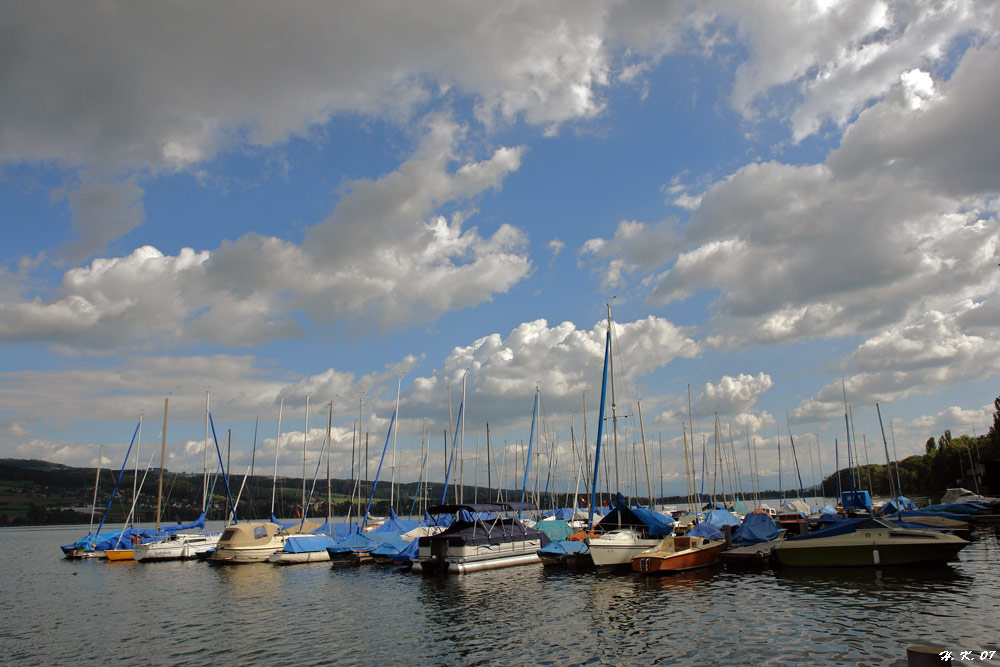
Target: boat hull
441 557
176 547
870 548
285 558
617 549
119 554
661 560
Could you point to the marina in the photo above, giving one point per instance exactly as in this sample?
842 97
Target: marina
186 612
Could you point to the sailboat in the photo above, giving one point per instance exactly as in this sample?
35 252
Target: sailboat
175 546
625 532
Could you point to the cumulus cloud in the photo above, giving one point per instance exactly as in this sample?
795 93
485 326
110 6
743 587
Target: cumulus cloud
847 53
121 88
380 259
103 212
891 226
920 358
563 361
634 247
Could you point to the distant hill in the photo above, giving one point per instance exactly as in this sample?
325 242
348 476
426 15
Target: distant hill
34 464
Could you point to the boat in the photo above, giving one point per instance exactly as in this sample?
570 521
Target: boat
867 542
625 532
753 541
700 547
483 536
177 546
252 541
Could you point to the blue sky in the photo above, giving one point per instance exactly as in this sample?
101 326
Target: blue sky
781 202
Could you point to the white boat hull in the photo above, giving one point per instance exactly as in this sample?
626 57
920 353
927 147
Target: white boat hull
618 548
284 558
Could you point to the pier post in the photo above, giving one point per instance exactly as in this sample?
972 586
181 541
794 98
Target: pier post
923 655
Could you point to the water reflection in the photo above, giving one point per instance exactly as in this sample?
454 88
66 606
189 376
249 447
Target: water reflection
186 612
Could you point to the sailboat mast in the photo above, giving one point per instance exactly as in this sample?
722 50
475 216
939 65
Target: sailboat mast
645 459
527 458
97 479
277 440
461 462
329 494
135 475
204 482
888 463
163 454
614 414
305 438
392 479
600 425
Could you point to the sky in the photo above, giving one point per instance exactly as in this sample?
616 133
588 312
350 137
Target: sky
785 206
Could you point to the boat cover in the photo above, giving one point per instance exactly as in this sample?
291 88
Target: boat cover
799 506
396 525
556 529
562 548
721 518
301 544
706 530
756 528
353 543
477 532
956 508
656 524
108 540
850 500
408 554
829 517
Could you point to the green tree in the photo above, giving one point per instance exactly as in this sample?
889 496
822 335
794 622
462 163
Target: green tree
930 446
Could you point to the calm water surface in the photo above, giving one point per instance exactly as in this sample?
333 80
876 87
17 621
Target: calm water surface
57 611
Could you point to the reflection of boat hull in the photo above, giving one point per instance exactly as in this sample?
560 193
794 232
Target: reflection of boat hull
676 554
870 547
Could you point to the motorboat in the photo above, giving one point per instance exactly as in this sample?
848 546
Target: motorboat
483 536
867 542
676 554
253 541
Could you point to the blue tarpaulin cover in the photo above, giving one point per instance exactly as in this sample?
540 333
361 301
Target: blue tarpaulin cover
706 530
656 524
301 544
109 540
850 500
556 529
721 518
756 527
956 508
562 548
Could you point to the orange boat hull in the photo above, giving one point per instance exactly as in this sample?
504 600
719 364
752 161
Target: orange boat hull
677 562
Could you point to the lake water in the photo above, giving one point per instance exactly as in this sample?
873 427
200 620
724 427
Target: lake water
57 611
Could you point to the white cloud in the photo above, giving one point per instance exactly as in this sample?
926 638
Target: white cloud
635 247
381 259
925 356
121 89
846 54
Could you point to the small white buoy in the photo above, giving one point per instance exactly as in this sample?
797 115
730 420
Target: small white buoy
875 556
